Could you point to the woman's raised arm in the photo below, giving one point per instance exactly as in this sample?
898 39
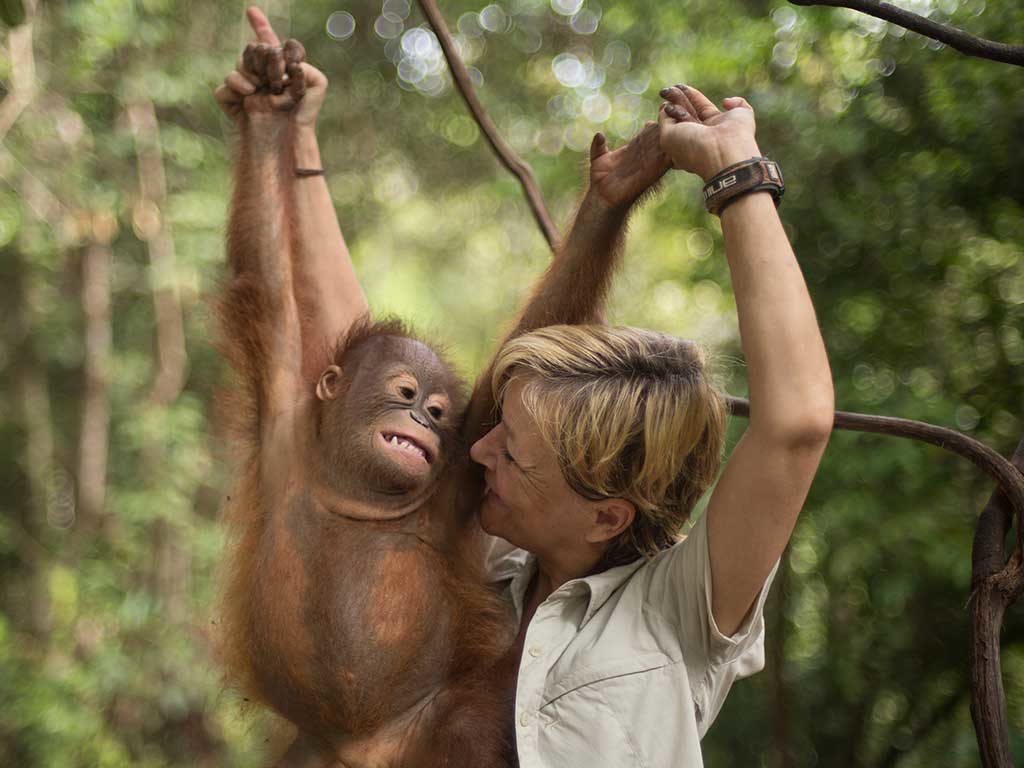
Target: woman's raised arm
754 507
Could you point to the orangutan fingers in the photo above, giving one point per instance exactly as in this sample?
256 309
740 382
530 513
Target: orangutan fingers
275 70
296 80
294 52
230 100
253 64
242 66
678 113
260 53
240 84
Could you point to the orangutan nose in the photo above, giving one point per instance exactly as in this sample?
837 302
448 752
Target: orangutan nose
419 419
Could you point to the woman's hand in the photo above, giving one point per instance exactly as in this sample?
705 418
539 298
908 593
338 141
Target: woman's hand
271 79
701 139
621 176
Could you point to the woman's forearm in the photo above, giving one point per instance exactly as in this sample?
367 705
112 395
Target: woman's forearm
788 372
790 382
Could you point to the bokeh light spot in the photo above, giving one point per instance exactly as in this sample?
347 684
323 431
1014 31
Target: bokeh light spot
566 7
494 19
399 8
597 108
568 70
341 25
388 26
585 22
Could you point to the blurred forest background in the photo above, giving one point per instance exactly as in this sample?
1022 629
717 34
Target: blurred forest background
905 176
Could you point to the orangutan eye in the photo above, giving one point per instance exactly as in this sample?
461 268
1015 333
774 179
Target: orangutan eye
407 392
435 411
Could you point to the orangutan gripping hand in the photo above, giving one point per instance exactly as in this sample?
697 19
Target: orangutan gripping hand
623 176
268 80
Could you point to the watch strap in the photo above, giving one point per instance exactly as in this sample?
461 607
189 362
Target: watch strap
754 175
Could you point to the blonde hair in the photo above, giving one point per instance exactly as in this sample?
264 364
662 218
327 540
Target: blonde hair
630 414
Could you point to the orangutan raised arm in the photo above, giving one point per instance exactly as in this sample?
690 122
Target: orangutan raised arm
258 310
575 285
327 290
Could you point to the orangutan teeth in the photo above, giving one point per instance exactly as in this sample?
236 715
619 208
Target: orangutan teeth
403 443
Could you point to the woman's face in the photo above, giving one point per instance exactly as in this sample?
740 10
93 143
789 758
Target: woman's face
528 502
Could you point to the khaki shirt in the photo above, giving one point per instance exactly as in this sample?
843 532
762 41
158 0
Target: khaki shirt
626 667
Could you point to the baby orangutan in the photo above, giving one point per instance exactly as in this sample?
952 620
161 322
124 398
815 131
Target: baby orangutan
351 607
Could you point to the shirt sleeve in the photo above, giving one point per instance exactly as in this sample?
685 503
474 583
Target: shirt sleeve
680 589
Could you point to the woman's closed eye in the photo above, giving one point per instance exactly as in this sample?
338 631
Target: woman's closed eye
527 472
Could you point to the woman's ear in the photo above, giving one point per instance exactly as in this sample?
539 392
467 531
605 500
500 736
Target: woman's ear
329 385
611 517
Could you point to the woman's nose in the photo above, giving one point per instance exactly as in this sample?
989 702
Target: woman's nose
482 451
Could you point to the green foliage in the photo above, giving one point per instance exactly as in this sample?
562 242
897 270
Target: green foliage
12 12
904 204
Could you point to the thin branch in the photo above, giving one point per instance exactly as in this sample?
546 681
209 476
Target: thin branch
94 433
1009 479
988 698
23 90
957 39
988 556
23 78
995 584
38 198
154 229
506 155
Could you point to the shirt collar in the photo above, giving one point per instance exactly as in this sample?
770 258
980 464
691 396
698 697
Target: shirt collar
597 587
603 584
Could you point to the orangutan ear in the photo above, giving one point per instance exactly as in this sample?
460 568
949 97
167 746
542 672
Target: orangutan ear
329 385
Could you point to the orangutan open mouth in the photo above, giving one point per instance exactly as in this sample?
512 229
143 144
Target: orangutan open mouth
406 443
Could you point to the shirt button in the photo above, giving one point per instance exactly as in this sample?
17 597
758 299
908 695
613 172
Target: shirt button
536 651
524 719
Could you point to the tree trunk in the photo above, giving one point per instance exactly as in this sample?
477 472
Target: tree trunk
95 426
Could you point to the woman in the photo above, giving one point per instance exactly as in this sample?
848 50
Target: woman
629 642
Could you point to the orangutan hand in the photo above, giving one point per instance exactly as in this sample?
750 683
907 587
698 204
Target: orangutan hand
621 176
272 79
